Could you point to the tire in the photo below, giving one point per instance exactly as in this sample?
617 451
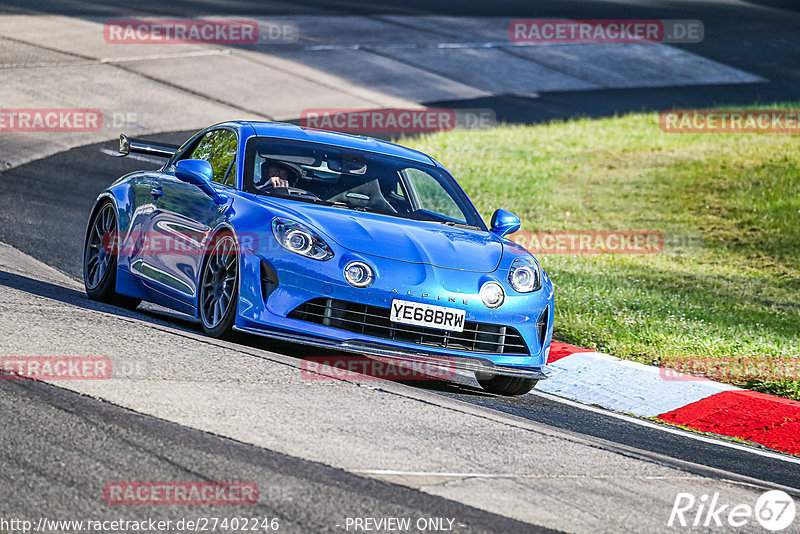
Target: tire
505 385
100 265
219 286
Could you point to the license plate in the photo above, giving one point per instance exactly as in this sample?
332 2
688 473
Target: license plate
429 315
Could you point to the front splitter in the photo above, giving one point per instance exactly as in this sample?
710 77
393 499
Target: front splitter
477 364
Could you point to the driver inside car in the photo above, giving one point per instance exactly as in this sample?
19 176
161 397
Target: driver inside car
276 174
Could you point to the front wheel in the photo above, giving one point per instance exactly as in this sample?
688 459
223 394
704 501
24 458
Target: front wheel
219 287
505 385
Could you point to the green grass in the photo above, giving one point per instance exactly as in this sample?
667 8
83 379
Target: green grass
726 286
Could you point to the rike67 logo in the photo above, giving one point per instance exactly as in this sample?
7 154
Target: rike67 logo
773 510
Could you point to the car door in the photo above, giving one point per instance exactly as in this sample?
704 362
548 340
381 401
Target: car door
182 219
137 210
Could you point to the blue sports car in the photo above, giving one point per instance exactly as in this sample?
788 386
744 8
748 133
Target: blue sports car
338 241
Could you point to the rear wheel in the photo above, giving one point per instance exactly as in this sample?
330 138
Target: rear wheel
505 385
219 287
100 259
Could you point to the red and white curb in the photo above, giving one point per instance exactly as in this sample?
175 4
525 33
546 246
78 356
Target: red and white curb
648 391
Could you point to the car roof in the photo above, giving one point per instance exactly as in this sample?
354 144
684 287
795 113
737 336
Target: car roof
284 130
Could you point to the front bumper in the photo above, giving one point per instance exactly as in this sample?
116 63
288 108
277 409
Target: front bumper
473 363
301 280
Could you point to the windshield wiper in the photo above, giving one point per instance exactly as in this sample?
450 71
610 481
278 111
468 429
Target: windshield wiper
345 205
299 197
459 225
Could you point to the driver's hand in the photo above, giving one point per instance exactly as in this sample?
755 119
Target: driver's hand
275 181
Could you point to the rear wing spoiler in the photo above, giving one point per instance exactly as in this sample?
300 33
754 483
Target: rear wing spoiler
129 145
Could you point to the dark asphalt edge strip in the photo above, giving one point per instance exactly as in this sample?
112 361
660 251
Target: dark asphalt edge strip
618 448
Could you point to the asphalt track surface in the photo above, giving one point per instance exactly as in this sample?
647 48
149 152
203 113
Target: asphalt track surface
109 443
756 36
44 207
43 211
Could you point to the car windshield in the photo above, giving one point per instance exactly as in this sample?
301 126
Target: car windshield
356 180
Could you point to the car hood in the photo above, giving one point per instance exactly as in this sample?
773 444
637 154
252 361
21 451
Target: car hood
407 240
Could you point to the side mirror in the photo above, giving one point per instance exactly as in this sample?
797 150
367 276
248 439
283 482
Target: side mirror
200 173
194 171
504 223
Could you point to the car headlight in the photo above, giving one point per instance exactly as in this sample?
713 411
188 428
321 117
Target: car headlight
525 275
359 274
492 295
300 239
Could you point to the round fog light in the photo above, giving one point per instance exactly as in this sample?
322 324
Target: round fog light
358 274
492 295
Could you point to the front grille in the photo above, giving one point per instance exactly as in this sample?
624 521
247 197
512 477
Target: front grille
374 321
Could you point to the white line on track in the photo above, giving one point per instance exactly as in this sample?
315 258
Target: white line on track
115 60
668 429
388 46
179 55
390 472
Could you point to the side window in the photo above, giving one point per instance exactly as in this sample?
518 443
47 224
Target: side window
218 147
431 195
